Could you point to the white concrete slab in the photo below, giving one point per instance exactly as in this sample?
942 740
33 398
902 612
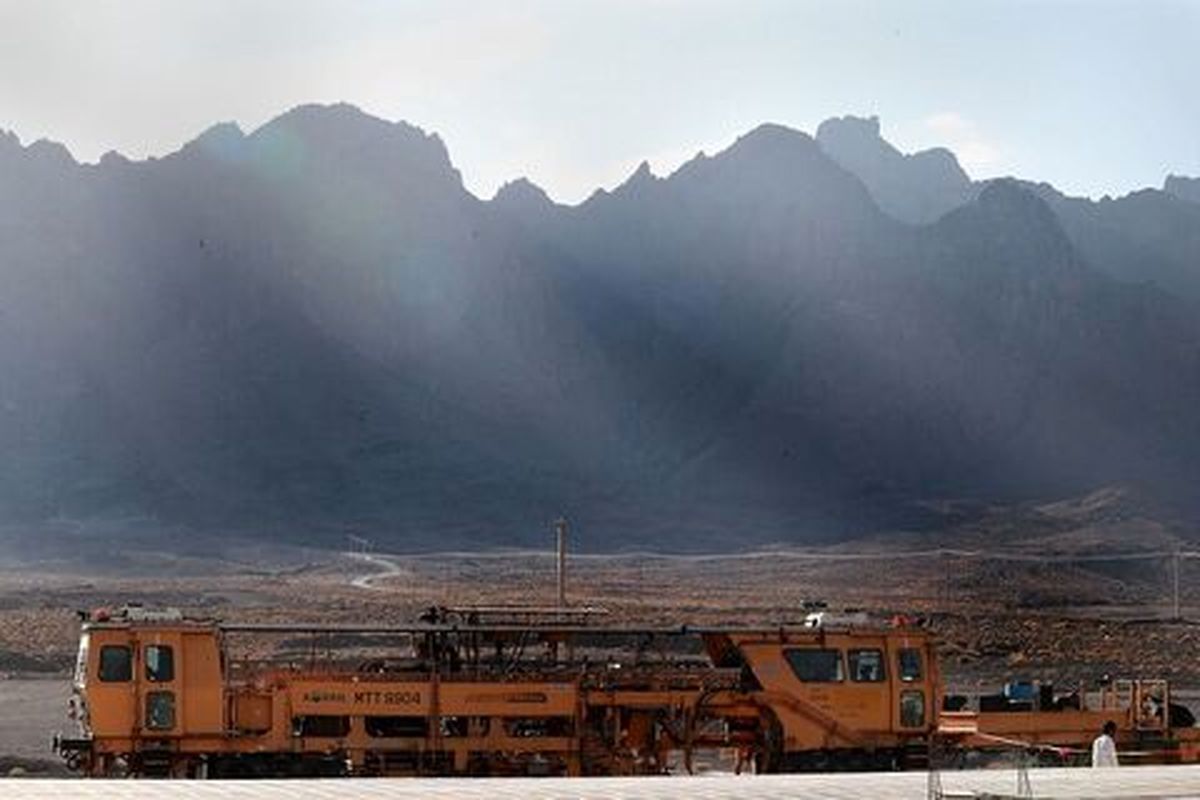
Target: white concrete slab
1128 782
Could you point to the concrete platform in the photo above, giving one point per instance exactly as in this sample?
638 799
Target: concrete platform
1128 782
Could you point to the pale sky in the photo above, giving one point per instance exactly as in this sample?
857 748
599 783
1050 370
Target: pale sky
1095 97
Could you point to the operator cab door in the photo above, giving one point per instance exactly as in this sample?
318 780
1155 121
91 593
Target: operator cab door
158 676
865 693
108 683
913 676
846 677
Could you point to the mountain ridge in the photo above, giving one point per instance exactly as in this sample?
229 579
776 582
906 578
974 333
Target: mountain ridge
315 327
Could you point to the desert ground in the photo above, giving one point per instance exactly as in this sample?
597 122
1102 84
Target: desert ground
1053 609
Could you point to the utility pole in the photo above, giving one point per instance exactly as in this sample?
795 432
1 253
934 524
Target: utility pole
1176 582
560 532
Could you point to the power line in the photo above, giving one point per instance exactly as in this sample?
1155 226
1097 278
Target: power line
801 555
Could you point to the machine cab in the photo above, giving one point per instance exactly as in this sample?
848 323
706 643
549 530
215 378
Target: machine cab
842 686
148 673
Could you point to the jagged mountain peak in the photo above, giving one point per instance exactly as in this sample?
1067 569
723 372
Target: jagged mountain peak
114 158
860 139
1183 187
639 180
916 188
1007 200
341 139
311 116
50 152
1009 221
780 167
771 139
1009 193
863 129
344 126
224 142
522 193
219 136
771 152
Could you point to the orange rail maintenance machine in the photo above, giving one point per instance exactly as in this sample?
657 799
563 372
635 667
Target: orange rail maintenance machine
516 692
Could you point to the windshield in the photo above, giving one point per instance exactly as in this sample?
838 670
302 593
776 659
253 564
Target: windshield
81 661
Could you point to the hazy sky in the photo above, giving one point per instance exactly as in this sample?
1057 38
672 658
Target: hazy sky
1096 97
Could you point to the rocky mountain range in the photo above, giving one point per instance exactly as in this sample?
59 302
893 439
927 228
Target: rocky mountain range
314 329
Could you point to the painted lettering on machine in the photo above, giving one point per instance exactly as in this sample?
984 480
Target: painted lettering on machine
323 696
369 698
330 700
403 698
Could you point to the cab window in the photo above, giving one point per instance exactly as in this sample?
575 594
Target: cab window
160 663
116 663
81 661
817 666
910 665
912 709
160 711
866 666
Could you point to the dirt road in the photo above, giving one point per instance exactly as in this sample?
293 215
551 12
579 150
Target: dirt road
387 568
